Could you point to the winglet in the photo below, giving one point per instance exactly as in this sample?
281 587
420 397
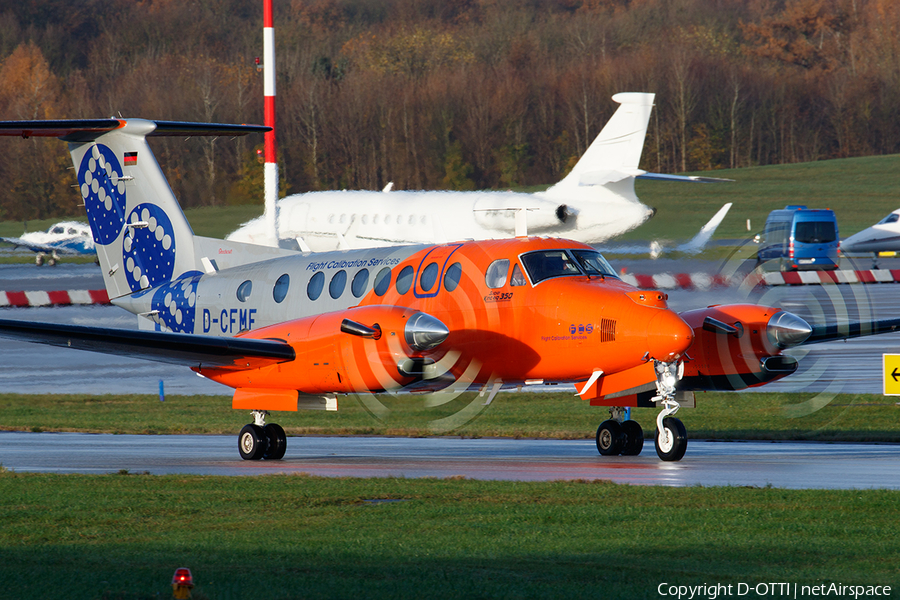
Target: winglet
706 232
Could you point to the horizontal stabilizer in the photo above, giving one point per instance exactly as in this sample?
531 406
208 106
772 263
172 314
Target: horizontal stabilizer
173 348
682 178
85 130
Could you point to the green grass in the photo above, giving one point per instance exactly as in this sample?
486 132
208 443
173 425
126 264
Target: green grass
770 416
861 191
279 537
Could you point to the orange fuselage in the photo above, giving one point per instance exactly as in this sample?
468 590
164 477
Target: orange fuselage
512 327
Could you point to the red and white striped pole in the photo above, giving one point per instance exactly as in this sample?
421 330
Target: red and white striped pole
271 165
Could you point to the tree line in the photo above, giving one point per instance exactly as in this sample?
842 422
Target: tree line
446 94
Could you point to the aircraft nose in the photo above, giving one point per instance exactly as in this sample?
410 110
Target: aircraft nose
668 336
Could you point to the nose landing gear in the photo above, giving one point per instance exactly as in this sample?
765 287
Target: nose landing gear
260 441
671 436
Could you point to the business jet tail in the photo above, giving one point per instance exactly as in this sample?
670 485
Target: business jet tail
615 153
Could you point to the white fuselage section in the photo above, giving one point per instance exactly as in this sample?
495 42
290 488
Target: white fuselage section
364 219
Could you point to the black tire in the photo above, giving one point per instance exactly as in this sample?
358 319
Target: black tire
276 442
252 442
674 446
634 438
610 439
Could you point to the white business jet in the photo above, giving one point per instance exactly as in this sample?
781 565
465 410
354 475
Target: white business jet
593 203
884 236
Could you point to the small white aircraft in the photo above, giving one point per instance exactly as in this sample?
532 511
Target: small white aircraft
68 237
593 203
884 236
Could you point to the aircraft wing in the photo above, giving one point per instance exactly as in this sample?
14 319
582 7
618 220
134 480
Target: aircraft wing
173 348
846 331
36 247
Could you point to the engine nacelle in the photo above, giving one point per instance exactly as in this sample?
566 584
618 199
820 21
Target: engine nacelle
740 345
364 349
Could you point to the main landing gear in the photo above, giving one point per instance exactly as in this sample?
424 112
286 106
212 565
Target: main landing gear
619 436
258 440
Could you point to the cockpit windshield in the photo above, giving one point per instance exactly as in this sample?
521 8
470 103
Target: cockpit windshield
891 218
593 263
545 264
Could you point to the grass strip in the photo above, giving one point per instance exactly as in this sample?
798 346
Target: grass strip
284 536
719 415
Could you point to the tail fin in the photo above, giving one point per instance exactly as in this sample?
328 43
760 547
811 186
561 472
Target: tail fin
616 152
142 237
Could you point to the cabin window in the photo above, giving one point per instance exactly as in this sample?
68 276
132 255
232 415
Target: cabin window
359 283
279 292
243 291
496 273
383 281
343 218
518 277
405 279
549 263
338 283
452 277
429 277
365 219
315 286
374 219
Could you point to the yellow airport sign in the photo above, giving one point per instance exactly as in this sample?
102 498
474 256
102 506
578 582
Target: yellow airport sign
891 374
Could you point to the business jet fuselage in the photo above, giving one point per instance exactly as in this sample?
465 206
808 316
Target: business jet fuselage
360 219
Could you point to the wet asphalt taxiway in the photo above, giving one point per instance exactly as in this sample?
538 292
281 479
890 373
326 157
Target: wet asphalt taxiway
796 465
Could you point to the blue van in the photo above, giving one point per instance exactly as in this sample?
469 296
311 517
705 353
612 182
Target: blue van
800 239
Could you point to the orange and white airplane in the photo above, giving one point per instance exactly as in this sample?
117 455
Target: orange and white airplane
290 331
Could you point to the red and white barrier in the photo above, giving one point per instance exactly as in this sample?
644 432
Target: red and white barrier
669 281
705 281
55 298
828 277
